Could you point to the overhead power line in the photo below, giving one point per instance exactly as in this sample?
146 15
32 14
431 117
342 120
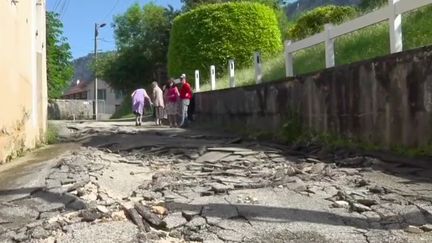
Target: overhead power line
65 8
56 5
61 7
112 10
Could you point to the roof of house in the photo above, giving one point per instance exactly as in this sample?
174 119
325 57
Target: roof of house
76 89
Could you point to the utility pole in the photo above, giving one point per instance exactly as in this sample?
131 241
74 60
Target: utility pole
95 103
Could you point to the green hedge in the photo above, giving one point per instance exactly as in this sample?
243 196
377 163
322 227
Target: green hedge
213 34
313 21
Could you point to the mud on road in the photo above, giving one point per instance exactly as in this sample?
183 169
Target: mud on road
147 184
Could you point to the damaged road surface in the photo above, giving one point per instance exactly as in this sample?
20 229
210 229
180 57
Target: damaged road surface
147 184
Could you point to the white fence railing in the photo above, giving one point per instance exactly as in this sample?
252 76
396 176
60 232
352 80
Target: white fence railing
392 13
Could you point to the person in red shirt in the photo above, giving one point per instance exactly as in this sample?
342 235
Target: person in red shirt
172 97
185 96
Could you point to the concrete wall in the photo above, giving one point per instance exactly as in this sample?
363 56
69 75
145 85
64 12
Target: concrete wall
385 101
70 109
23 87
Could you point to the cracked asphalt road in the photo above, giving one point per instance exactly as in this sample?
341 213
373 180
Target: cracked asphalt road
114 182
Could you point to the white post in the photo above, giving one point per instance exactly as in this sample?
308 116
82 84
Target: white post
329 47
231 73
258 67
197 81
395 24
289 70
213 77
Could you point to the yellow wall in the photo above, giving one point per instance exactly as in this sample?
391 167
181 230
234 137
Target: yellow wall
23 86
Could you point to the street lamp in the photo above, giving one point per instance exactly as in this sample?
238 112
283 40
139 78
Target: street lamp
95 105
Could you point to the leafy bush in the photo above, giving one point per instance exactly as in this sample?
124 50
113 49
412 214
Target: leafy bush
213 34
313 21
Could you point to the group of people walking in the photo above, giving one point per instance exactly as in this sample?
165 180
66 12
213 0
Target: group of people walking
170 103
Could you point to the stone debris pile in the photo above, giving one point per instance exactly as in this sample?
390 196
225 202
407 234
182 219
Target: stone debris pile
203 189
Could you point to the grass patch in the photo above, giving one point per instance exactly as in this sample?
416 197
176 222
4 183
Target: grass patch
294 133
51 136
367 43
422 151
125 110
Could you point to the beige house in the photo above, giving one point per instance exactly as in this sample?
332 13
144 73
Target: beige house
23 85
109 99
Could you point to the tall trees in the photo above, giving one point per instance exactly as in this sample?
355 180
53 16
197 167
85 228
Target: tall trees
59 57
142 37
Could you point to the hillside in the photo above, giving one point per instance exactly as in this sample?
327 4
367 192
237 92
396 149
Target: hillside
82 69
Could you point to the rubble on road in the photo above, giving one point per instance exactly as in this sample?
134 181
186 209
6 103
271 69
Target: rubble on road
185 188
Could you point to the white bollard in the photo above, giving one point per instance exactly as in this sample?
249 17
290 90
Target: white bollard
231 72
258 67
197 81
289 70
329 47
213 77
395 24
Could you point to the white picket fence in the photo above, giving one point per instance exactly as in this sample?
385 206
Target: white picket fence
391 13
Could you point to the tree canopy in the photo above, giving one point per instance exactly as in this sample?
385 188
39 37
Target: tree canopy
142 38
59 57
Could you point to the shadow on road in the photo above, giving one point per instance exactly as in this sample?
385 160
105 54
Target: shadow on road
251 213
278 215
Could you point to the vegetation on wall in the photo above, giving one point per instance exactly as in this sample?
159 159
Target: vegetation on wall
213 34
59 57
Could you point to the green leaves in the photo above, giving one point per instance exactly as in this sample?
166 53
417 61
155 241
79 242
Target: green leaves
312 22
213 34
142 37
191 4
59 57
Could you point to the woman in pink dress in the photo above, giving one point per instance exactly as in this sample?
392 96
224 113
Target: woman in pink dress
138 101
172 97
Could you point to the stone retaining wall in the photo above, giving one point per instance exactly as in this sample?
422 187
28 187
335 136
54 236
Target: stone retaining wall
386 101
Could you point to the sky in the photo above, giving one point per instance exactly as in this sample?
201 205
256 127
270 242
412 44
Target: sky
80 16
